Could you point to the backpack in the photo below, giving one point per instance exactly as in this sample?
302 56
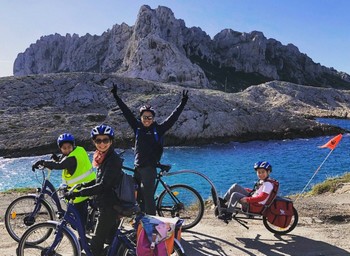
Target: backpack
158 139
125 194
156 235
280 212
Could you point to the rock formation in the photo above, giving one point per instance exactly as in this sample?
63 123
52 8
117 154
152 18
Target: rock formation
36 109
161 48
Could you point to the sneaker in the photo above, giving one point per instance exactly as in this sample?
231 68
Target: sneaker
222 210
216 210
223 202
225 216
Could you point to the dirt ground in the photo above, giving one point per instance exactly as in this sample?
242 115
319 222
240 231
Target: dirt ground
323 229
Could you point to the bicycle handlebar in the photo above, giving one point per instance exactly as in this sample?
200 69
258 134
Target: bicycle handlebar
128 168
64 187
41 167
162 167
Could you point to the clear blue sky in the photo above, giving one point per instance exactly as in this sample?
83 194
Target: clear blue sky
319 28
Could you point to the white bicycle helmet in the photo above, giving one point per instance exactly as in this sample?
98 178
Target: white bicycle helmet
147 108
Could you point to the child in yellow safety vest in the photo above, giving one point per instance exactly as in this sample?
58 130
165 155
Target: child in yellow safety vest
76 169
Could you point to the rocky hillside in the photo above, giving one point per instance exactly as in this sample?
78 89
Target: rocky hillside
36 109
161 48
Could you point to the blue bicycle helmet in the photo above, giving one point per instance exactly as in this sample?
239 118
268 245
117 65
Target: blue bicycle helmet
102 130
264 165
65 137
147 108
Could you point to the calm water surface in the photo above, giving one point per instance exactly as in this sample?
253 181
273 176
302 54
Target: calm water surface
293 161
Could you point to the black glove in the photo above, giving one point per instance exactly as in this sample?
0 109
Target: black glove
114 91
71 195
185 95
38 164
55 157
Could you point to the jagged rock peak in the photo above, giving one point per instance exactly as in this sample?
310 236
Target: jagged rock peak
159 47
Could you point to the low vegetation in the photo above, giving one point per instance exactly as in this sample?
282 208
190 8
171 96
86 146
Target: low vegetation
330 185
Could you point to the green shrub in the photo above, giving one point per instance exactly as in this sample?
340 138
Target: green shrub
330 185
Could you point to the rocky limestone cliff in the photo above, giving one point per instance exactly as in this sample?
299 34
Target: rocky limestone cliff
161 48
36 109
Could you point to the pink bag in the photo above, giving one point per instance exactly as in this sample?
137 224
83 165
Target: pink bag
149 248
156 235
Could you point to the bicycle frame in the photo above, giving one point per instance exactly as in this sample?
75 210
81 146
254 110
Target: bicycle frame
166 187
121 237
47 188
158 180
71 216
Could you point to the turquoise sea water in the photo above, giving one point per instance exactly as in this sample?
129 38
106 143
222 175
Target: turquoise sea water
294 162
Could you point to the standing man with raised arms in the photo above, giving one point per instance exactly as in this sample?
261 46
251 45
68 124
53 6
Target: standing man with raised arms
148 145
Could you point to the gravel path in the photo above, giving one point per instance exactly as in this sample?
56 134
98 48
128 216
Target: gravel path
323 229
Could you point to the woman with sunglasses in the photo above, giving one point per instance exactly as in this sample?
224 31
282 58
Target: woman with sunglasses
148 146
109 175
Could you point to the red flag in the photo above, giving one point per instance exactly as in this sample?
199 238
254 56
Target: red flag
333 142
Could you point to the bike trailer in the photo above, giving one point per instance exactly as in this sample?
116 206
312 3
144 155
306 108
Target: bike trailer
156 235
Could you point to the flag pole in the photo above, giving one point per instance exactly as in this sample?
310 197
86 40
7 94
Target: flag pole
330 152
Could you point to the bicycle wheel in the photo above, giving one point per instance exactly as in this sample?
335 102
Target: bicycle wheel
188 205
281 231
125 251
17 219
32 242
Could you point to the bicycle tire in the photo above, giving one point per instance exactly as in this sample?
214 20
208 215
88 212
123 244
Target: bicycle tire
29 245
125 251
16 212
191 208
282 231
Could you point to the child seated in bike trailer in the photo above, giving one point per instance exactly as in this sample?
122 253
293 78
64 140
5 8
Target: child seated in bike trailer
254 199
76 168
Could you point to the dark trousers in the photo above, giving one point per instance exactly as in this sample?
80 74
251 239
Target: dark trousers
82 208
106 225
146 177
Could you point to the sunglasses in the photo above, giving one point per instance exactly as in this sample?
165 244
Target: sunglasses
104 141
147 117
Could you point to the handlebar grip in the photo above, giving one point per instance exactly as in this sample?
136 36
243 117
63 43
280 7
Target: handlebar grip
128 168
